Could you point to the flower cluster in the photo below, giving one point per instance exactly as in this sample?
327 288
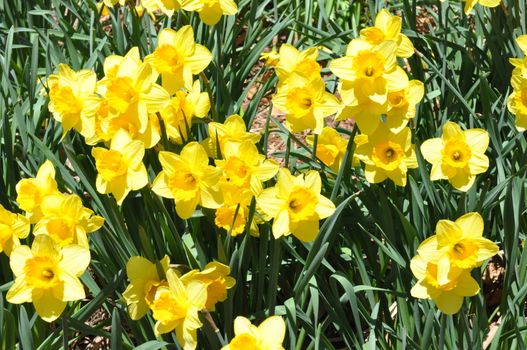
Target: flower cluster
47 274
517 102
174 299
443 262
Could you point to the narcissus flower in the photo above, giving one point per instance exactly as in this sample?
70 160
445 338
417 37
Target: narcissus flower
73 100
183 106
331 147
130 90
66 220
306 103
210 11
457 244
302 63
120 169
48 276
458 155
388 27
177 57
469 4
188 179
368 73
31 192
233 129
386 155
144 281
269 335
13 227
296 205
176 307
447 296
216 276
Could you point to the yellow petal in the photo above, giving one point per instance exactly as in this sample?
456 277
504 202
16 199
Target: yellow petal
522 43
418 266
462 181
447 232
429 249
73 288
489 3
199 60
486 249
466 285
343 68
325 207
269 203
243 325
477 139
272 332
405 48
48 307
448 302
137 179
478 163
229 7
452 131
281 224
160 186
19 292
420 290
185 208
211 14
471 225
75 259
305 231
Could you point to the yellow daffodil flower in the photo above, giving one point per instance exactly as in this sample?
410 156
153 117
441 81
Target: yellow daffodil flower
131 92
176 307
177 57
469 4
216 277
306 103
368 73
269 335
388 27
401 105
233 129
66 220
31 192
296 205
291 61
386 155
458 155
210 11
457 244
144 282
48 276
188 179
331 147
72 99
13 227
120 169
447 296
183 106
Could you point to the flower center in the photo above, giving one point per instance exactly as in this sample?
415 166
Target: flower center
456 154
301 204
111 165
387 155
396 99
168 308
121 94
369 64
237 172
168 59
41 272
61 230
184 185
244 342
300 101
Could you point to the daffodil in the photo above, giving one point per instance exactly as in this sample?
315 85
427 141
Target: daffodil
386 155
210 11
72 99
368 74
48 276
31 192
331 148
269 335
188 179
448 296
296 205
183 106
168 7
130 90
216 277
66 220
457 244
144 281
388 28
233 130
458 155
306 103
177 57
290 61
176 307
13 227
120 168
469 4
401 105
